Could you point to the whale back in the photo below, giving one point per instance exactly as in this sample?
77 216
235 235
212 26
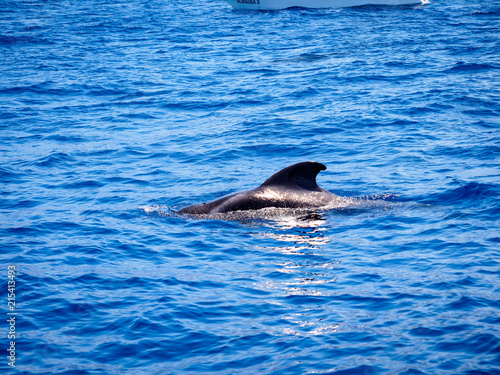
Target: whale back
298 179
300 175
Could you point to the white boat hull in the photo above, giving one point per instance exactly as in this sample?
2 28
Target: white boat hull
283 4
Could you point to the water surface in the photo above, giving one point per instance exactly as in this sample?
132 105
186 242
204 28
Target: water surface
114 114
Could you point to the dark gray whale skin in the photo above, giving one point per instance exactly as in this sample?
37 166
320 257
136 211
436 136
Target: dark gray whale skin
292 187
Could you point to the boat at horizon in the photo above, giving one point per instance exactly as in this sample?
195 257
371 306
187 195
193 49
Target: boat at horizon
284 4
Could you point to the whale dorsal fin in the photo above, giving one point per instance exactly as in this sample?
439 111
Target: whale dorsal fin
301 174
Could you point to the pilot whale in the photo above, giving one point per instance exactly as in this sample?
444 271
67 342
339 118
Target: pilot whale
292 187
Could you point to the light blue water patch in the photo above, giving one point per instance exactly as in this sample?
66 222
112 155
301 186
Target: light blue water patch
116 114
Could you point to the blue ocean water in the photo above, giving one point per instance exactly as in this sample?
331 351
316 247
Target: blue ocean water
114 114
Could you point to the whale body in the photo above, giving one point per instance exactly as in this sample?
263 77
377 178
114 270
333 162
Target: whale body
292 187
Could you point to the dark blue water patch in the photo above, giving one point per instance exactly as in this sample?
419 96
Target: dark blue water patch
248 362
42 88
66 138
487 13
22 232
105 152
469 303
465 195
358 370
34 28
49 227
56 159
8 176
363 278
126 181
75 310
479 344
494 239
23 40
7 116
138 116
16 204
472 67
492 371
412 372
427 332
87 184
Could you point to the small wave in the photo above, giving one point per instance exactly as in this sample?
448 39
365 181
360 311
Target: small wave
87 184
23 39
55 159
494 12
9 176
468 67
467 194
42 88
66 139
